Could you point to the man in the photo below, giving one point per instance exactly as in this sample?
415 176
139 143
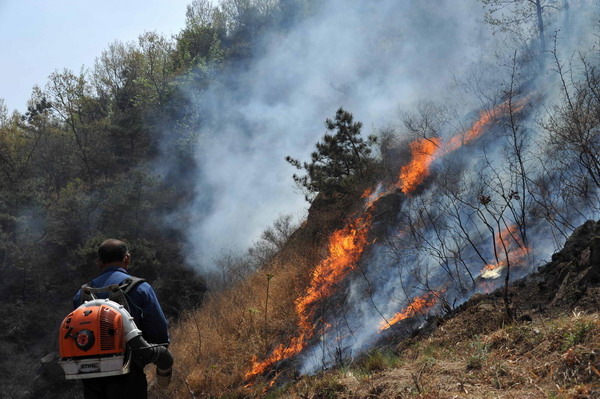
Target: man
113 260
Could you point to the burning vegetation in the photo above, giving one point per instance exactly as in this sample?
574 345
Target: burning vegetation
416 171
510 251
472 243
346 251
345 248
465 206
419 238
419 305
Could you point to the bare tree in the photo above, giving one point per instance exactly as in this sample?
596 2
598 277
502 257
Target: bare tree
272 240
521 16
572 126
517 141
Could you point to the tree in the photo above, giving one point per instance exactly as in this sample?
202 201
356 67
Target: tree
158 66
339 161
272 240
515 15
74 102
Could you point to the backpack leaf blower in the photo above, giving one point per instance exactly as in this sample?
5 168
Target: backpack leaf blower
99 339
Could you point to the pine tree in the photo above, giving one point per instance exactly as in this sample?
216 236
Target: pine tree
341 159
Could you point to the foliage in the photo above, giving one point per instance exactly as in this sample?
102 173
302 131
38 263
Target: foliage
577 334
378 360
80 165
340 161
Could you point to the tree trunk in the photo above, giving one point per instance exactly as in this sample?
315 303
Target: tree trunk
540 23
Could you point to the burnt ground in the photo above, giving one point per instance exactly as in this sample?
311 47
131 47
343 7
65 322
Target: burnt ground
550 349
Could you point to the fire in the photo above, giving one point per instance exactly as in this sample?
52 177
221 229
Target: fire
345 248
371 195
425 151
346 245
517 252
485 117
420 304
423 154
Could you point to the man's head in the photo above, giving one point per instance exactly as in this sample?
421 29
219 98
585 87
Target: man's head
113 253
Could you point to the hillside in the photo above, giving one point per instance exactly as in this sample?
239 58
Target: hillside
464 152
549 351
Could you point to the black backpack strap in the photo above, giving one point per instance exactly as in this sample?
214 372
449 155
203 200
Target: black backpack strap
124 288
88 292
130 283
116 292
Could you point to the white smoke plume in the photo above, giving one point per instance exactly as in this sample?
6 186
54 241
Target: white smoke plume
372 58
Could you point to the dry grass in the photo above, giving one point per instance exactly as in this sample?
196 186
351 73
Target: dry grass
547 358
214 346
553 353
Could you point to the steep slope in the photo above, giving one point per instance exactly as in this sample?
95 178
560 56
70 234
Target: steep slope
551 351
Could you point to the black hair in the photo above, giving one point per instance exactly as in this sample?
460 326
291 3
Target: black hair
112 251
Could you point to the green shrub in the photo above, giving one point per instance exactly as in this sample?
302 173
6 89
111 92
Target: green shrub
577 334
479 353
378 360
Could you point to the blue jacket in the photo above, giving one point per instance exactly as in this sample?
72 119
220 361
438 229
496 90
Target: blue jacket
143 304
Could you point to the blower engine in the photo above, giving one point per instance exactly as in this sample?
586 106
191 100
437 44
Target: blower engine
99 339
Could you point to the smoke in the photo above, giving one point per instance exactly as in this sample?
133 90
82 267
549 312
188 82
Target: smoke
374 59
391 276
371 58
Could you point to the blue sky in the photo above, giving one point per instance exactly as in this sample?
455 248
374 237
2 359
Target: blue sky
39 36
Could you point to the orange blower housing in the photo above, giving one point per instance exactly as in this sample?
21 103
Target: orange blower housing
91 343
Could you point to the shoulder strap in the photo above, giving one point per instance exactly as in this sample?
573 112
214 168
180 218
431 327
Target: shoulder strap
130 283
116 292
88 292
120 296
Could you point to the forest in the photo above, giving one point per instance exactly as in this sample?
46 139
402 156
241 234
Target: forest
457 149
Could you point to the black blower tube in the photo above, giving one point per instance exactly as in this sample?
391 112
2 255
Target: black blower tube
156 354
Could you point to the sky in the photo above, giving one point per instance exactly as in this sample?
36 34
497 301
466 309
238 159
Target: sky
38 37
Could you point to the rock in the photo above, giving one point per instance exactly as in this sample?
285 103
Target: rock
595 259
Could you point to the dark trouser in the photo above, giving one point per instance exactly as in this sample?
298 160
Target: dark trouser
131 386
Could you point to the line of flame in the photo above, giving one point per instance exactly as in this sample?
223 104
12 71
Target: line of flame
426 150
346 245
345 248
419 305
414 173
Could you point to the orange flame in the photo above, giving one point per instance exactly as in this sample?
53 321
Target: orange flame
345 248
420 304
515 252
485 118
425 151
413 174
372 195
